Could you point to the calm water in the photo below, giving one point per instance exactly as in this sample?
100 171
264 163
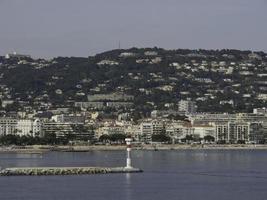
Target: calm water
189 174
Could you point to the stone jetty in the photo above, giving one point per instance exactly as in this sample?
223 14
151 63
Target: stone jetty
52 171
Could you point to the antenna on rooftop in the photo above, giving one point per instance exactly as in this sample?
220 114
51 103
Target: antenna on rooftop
119 44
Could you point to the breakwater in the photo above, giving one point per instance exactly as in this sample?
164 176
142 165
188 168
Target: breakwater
52 171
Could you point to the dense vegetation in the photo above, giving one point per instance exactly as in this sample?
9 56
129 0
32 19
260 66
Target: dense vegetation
34 82
48 139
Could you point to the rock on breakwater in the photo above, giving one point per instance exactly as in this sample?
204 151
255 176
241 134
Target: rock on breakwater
52 171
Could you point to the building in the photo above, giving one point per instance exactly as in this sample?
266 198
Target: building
60 129
72 119
21 127
148 129
210 118
187 107
107 62
150 53
5 103
110 97
127 54
29 127
117 105
236 132
94 105
261 111
8 126
109 130
203 131
234 128
100 105
134 131
164 113
102 101
15 55
175 131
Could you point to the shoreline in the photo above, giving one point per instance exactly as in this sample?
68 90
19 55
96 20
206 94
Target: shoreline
40 149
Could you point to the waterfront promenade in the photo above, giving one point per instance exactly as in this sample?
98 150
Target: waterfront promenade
39 149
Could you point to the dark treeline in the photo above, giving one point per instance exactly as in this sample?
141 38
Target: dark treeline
48 139
116 137
52 139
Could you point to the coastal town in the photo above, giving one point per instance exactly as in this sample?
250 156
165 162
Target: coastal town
133 100
151 95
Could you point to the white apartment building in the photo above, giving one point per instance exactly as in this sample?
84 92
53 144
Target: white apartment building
178 131
202 131
109 130
60 129
175 131
9 126
188 107
146 131
72 119
150 128
232 128
134 131
261 111
29 127
232 132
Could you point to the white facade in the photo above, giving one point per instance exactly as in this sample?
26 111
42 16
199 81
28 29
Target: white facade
146 131
134 131
24 127
6 102
175 131
202 131
7 126
262 111
187 106
150 128
28 127
109 130
20 127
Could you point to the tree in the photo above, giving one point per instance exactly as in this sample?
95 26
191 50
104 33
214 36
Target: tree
161 137
10 140
188 138
117 137
104 138
50 138
209 138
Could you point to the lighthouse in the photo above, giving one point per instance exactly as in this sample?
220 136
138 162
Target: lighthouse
129 148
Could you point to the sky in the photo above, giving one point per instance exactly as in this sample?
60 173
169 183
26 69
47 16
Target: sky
51 28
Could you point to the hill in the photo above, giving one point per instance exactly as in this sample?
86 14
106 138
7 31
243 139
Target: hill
218 80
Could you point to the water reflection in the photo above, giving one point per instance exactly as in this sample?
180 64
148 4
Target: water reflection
128 178
128 186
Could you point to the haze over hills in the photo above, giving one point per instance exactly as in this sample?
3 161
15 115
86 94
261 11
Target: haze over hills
82 27
217 80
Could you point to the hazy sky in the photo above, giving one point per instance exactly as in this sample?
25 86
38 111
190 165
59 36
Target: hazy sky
49 28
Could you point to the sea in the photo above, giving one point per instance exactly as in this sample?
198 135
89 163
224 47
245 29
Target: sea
168 175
